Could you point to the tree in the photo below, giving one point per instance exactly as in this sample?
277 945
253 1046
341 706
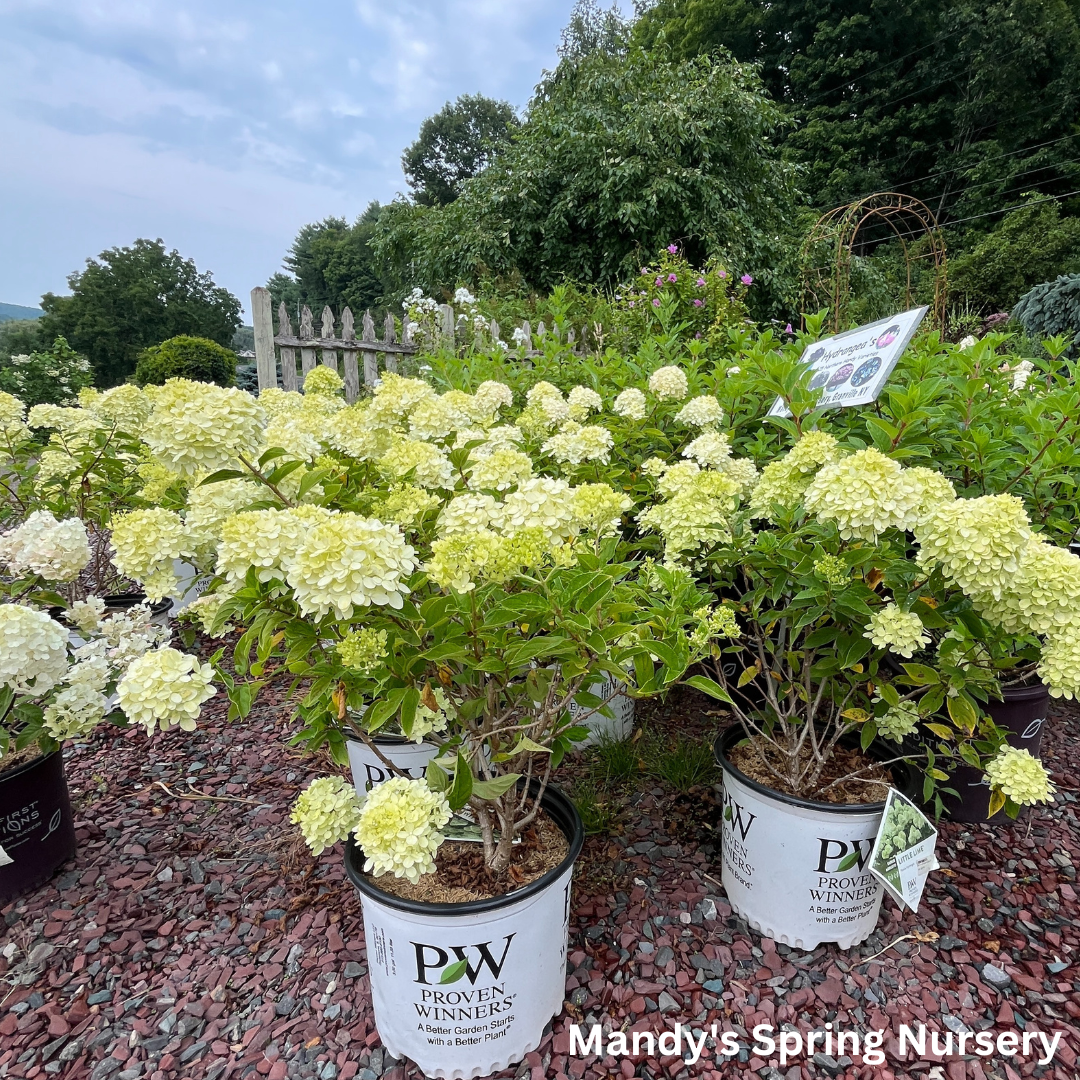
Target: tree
135 297
456 144
619 155
331 262
186 357
962 104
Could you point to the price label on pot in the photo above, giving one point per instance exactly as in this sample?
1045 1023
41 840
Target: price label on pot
903 852
851 368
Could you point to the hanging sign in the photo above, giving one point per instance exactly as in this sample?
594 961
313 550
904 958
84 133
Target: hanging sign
903 852
851 368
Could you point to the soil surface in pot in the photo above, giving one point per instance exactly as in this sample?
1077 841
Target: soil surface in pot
19 757
754 757
460 874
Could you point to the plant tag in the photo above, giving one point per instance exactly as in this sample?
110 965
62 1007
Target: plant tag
903 853
464 826
5 858
851 368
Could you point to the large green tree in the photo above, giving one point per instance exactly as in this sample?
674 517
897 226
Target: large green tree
963 104
456 144
132 297
331 262
622 151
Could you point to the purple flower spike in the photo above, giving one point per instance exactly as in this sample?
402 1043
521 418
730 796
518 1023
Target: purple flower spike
698 303
722 273
656 302
788 330
700 282
672 277
746 279
672 249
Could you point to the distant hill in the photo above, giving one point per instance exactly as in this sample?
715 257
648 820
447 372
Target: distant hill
17 311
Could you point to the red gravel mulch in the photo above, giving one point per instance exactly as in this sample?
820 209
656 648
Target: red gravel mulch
193 937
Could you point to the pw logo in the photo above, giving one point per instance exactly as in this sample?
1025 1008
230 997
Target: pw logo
432 957
737 817
843 854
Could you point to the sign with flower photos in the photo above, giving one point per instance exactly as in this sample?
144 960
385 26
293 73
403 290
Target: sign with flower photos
851 368
903 853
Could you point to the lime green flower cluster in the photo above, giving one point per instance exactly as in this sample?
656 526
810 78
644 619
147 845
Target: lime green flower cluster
362 649
833 569
398 828
898 631
54 550
784 481
165 688
1015 773
326 811
145 545
898 721
713 623
468 557
697 513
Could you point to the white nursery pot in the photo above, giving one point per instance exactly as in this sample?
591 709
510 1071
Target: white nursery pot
616 727
367 770
780 858
191 585
495 1011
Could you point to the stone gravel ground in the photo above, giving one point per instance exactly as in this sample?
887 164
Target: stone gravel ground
193 937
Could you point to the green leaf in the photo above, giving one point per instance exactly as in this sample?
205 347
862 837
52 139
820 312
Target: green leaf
868 734
453 972
848 861
921 675
223 474
963 713
462 787
708 686
493 788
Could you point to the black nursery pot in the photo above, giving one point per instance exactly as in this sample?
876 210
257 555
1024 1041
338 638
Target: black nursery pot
1022 715
37 831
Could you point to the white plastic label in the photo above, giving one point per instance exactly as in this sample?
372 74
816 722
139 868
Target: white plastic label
5 858
903 852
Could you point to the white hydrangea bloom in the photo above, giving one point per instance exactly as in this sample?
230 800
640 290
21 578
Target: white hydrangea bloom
55 550
326 811
124 407
700 412
395 398
598 509
165 688
541 503
276 401
145 543
576 443
696 514
675 477
898 631
398 828
304 434
74 712
429 466
264 539
581 401
785 480
348 562
500 470
13 428
630 404
469 512
86 614
209 505
1059 666
491 396
1022 374
712 448
358 432
33 650
669 383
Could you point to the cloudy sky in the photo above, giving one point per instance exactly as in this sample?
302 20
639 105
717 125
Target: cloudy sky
222 126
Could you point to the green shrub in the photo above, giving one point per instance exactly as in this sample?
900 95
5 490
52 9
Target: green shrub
1051 308
183 357
52 376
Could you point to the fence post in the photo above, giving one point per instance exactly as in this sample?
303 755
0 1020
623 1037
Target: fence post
389 337
371 359
288 357
307 356
352 373
329 356
262 319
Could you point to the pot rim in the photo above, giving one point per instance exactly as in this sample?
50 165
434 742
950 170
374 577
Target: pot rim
573 829
1034 692
390 739
735 734
15 770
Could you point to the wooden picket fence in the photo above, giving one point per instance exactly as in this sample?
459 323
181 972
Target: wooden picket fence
277 350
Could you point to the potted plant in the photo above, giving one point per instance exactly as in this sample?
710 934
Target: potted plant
858 642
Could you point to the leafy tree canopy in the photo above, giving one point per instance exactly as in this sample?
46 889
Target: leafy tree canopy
621 153
456 144
186 357
133 297
962 104
331 262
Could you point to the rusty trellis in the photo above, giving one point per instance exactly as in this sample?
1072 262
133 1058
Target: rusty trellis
856 229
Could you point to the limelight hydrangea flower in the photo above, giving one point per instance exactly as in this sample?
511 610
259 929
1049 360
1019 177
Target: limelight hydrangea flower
785 480
157 480
898 631
429 467
303 434
326 811
677 476
426 721
1020 776
64 419
323 381
469 511
669 383
263 539
125 407
198 427
404 505
357 431
654 466
86 614
865 494
696 514
145 543
898 722
13 428
576 443
348 562
209 505
742 470
439 417
362 649
582 400
713 623
631 404
56 550
276 401
33 650
712 448
833 569
1059 666
491 396
598 509
395 397
204 610
466 558
398 828
700 412
74 712
503 437
541 503
977 542
165 688
500 470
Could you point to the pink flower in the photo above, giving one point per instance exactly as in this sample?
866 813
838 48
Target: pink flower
746 279
788 330
631 303
698 303
656 302
698 335
722 273
672 249
672 277
659 282
700 282
644 269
